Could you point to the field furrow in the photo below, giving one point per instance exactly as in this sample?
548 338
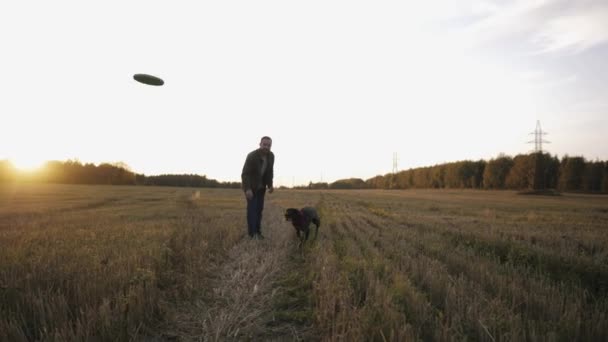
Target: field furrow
153 263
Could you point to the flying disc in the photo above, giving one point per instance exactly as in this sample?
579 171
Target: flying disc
148 79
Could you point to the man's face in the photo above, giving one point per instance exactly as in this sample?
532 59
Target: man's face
265 145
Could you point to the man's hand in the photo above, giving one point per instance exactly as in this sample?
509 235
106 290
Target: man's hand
249 194
270 190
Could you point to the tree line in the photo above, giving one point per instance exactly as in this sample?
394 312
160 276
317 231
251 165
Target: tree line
74 172
534 171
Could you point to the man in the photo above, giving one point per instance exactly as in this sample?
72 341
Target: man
256 177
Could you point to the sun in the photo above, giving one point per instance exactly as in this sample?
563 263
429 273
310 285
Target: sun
26 164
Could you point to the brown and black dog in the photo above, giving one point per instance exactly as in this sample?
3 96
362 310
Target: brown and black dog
301 220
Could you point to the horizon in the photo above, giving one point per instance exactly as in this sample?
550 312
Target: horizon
339 86
120 164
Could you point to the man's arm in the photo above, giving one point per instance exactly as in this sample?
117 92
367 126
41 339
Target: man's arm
271 173
246 174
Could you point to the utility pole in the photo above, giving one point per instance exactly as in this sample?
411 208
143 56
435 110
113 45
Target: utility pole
538 138
392 180
395 161
539 179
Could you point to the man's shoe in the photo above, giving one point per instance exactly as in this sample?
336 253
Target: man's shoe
260 236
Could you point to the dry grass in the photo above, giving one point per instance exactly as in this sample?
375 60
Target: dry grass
239 294
133 263
462 265
96 262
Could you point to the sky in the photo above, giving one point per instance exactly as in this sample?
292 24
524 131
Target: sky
340 86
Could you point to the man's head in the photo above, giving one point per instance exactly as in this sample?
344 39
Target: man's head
265 144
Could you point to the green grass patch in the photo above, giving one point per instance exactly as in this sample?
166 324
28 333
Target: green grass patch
293 303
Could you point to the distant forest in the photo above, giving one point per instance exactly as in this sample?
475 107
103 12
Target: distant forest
74 172
535 171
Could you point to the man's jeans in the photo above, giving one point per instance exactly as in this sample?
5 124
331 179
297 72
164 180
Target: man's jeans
255 206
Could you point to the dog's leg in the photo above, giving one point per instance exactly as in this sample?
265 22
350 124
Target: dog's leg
307 233
301 239
317 223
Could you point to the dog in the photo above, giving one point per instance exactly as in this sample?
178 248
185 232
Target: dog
301 220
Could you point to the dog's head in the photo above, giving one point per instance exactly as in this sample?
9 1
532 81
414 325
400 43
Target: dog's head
291 214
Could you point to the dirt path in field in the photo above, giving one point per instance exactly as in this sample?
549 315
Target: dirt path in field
239 305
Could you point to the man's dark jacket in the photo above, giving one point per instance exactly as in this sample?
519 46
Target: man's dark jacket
252 177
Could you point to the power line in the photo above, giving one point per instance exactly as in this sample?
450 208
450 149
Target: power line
538 138
395 161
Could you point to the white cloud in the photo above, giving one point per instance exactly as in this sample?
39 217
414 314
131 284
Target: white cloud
549 25
575 32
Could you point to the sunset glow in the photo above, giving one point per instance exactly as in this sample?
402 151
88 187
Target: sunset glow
27 164
347 84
